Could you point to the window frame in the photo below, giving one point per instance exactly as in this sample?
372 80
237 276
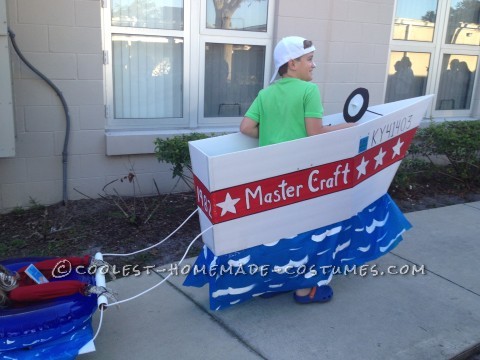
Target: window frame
237 33
7 127
231 120
437 48
193 68
459 112
113 123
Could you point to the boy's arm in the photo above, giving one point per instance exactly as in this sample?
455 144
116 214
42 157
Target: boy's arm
249 127
314 126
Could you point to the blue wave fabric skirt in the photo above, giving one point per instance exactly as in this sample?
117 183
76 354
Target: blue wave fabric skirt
304 261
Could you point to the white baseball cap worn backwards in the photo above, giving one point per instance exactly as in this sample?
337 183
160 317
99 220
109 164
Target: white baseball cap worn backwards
287 49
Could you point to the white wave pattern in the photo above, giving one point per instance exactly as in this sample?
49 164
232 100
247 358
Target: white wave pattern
291 264
326 281
329 232
381 238
323 252
232 291
341 247
275 286
239 262
272 243
364 249
214 262
67 331
386 248
376 224
33 343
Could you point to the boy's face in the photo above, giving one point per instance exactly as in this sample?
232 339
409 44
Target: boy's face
304 66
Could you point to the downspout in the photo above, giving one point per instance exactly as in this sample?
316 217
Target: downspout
65 109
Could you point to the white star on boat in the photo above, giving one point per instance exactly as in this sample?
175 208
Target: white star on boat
397 148
362 168
228 205
379 158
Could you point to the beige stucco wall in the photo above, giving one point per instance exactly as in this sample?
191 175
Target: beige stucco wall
62 39
351 40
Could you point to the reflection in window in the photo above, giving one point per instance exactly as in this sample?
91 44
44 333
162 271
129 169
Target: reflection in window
152 14
407 76
237 15
233 77
415 20
456 82
464 23
147 76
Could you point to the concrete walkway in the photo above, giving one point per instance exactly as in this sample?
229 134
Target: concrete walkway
435 315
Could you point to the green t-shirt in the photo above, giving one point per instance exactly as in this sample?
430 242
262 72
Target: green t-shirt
281 109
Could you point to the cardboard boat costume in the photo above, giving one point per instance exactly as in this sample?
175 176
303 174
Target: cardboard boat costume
299 212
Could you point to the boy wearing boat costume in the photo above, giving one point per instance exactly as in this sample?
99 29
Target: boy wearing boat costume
290 109
287 110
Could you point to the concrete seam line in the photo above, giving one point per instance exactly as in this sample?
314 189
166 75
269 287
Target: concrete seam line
436 274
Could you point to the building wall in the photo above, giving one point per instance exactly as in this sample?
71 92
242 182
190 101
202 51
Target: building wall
62 38
351 40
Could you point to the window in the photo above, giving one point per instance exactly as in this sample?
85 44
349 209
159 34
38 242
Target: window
173 64
415 21
456 82
234 74
148 76
407 76
463 23
434 49
244 15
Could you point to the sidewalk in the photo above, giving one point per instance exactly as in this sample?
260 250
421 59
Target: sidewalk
430 316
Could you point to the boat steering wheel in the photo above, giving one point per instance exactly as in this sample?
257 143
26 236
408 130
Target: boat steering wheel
356 105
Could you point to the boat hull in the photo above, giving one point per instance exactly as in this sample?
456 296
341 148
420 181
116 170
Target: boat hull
250 195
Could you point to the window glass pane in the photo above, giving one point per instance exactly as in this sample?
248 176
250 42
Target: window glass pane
233 77
407 75
248 15
456 82
464 22
415 20
147 76
152 14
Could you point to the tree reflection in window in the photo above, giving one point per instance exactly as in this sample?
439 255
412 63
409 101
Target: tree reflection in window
245 15
464 23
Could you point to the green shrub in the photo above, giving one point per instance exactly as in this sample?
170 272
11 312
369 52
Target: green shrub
411 172
174 151
459 143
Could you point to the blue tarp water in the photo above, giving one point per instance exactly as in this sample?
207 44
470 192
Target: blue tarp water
309 259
